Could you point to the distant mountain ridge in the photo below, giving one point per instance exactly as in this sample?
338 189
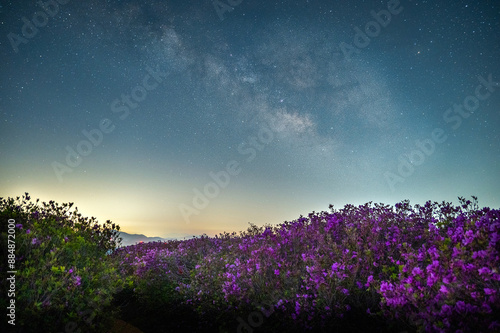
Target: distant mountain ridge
131 239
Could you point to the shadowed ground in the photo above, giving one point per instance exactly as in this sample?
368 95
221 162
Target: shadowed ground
121 326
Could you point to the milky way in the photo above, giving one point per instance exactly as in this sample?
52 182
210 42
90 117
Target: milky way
182 118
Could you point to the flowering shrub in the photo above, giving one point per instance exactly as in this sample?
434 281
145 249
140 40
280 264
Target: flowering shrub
451 282
63 275
431 268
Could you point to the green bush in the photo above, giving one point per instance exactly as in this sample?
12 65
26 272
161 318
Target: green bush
65 281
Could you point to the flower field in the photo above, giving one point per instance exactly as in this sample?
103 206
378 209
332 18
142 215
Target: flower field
431 268
374 267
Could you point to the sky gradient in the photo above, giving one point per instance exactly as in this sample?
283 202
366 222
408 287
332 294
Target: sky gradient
176 118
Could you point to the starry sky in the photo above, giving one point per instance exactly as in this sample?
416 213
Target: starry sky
175 118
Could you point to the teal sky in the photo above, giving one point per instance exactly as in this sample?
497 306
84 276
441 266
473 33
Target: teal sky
129 108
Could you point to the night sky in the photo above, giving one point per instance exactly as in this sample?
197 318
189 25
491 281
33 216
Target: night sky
176 118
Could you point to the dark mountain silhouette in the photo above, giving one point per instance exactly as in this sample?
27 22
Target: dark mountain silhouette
131 239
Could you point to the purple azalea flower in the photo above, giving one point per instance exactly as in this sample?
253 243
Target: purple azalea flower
370 279
417 271
460 306
489 291
78 280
